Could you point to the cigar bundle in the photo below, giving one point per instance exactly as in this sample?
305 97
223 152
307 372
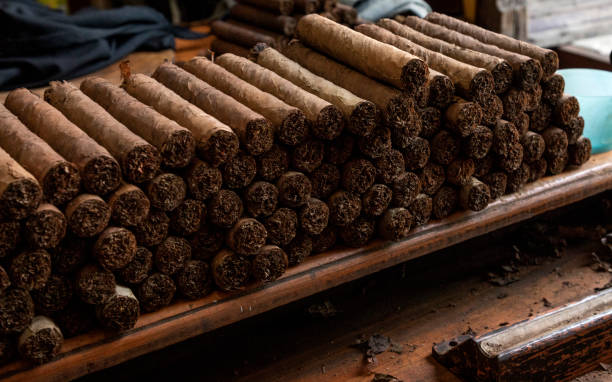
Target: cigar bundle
222 174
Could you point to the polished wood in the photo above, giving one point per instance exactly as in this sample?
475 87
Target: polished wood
185 319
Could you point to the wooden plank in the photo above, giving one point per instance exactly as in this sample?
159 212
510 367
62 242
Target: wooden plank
185 319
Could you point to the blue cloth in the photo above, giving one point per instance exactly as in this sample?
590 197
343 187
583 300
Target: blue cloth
39 44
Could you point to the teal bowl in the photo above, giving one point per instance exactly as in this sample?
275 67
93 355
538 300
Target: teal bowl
593 88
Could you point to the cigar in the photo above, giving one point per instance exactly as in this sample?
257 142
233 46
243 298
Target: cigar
512 160
115 248
314 216
239 35
358 233
538 169
194 280
230 270
156 292
497 182
521 122
574 130
71 253
206 242
225 208
541 117
477 145
514 101
171 255
340 150
307 6
308 155
474 195
395 224
557 163
10 232
202 179
154 229
556 141
281 226
94 285
77 318
325 240
21 194
187 218
298 249
505 137
566 109
534 97
30 270
492 109
17 310
269 263
5 280
139 268
325 180
272 164
129 205
358 175
533 146
416 153
431 178
463 116
460 171
41 340
376 200
344 208
240 171
517 179
553 88
421 209
444 202
405 189
377 143
220 47
121 311
166 191
45 228
430 121
263 19
247 236
444 148
87 215
391 165
294 189
261 199
580 152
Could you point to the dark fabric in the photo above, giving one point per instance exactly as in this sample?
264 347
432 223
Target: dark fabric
38 44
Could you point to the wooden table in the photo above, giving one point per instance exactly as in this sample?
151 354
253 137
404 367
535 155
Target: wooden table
185 319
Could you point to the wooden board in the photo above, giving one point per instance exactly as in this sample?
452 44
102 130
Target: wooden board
185 319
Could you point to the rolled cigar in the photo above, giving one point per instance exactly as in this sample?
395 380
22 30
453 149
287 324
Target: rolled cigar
497 182
7 349
307 6
405 189
46 227
16 310
359 113
129 205
139 160
308 155
459 172
392 66
358 233
121 311
267 20
294 189
521 122
329 5
238 35
430 121
87 215
440 89
10 235
395 224
221 47
556 141
269 263
566 109
175 143
557 163
194 280
474 195
358 175
94 285
314 216
166 191
171 255
505 136
514 101
203 180
298 249
340 150
272 164
470 81
230 270
345 13
574 130
206 242
344 208
77 318
41 341
526 71
517 179
444 202
580 152
30 270
156 292
431 178
20 193
463 116
281 226
492 110
115 248
391 165
246 236
377 143
325 180
288 121
240 171
261 199
538 169
534 97
154 229
547 58
512 160
98 170
397 108
253 130
420 209
71 254
553 88
444 148
541 117
280 38
533 146
376 200
325 240
5 280
484 166
478 144
225 208
139 268
215 141
58 178
325 118
499 68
